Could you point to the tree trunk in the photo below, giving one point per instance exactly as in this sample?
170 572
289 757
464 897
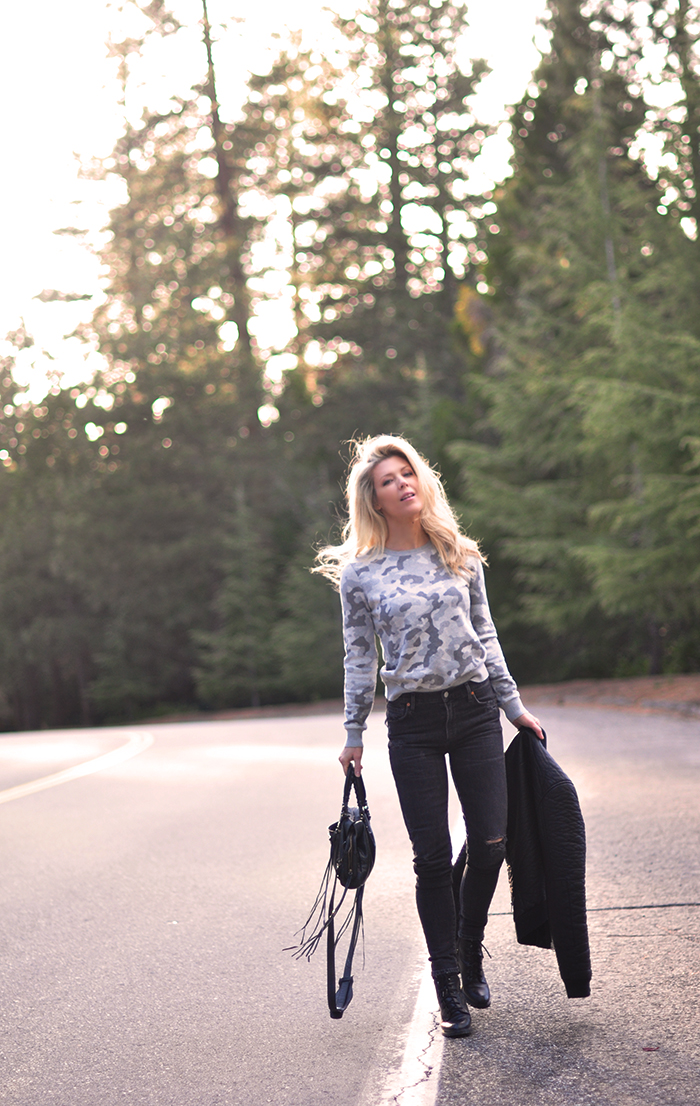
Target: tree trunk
229 217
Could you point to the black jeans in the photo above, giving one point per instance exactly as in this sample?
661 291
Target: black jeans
463 724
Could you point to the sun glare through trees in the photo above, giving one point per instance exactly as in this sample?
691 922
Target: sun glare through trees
312 248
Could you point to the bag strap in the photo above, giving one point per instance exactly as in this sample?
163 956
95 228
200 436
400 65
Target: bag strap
351 780
338 1001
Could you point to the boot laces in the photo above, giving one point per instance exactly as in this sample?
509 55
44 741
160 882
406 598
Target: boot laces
473 957
449 995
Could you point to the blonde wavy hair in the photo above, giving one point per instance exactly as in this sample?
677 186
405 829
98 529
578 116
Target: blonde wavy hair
366 530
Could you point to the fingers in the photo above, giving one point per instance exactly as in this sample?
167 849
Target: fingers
531 722
351 754
537 727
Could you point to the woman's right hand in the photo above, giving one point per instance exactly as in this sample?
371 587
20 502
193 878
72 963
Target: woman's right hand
351 754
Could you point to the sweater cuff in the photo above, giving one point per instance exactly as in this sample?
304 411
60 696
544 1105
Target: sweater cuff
513 708
354 738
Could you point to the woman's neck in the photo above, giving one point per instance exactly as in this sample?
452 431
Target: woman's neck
401 538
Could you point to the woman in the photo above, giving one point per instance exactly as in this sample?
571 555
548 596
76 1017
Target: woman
409 577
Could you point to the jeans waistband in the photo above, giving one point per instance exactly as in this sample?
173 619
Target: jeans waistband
446 693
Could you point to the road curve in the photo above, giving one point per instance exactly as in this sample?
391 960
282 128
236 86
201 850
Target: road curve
144 910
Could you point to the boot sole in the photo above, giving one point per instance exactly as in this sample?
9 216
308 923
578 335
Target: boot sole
479 1004
452 1032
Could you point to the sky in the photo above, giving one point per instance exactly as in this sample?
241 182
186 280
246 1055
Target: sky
62 108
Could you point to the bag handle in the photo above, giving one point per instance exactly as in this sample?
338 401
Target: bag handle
351 780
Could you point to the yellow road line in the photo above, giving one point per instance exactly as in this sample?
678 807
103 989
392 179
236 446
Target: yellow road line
138 742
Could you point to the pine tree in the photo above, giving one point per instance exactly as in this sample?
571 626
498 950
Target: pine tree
175 410
236 658
307 637
592 395
46 628
406 252
374 166
667 77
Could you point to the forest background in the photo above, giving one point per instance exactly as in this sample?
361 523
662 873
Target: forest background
539 342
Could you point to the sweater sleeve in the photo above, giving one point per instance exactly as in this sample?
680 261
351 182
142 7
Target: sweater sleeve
360 656
503 683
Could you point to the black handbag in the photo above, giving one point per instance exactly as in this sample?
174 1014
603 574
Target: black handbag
353 852
353 848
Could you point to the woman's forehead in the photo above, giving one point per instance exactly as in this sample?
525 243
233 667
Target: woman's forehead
390 464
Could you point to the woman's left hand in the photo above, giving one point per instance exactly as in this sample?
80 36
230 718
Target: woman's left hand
529 720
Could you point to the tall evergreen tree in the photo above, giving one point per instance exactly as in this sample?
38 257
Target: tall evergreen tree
656 46
47 630
179 399
236 658
590 325
375 167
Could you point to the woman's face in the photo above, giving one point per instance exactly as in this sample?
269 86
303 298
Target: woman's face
396 492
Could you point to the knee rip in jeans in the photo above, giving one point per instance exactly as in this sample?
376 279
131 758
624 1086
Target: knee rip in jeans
491 853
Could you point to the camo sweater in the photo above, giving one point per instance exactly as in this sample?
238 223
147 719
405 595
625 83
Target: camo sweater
435 630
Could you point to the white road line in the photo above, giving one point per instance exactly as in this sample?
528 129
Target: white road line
416 1082
138 741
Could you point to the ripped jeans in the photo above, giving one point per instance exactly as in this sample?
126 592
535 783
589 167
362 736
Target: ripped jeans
462 723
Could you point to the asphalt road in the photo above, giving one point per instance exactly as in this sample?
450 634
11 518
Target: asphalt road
636 1040
144 910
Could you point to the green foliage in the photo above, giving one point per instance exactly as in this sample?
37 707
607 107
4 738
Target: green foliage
586 483
236 661
307 639
156 535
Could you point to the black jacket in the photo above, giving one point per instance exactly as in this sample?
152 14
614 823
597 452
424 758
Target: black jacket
546 856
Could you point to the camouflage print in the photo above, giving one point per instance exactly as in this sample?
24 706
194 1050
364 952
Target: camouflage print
435 630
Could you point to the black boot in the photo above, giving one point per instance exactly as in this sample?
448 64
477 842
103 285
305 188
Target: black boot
476 989
456 1019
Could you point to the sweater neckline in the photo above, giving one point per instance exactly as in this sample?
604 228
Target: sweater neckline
407 552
